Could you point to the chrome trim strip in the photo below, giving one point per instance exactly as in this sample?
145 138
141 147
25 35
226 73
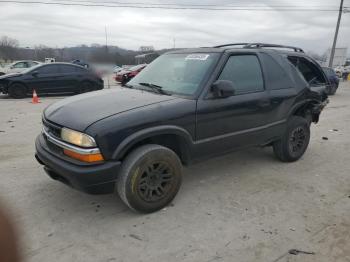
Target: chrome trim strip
79 150
240 132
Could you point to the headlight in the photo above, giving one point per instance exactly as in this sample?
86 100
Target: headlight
77 138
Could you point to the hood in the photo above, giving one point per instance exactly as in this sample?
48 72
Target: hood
10 75
81 111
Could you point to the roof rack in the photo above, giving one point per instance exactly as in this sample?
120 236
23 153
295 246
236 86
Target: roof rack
262 45
244 44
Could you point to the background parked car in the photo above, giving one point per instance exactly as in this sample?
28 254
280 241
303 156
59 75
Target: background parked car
126 75
117 69
50 60
18 67
51 78
333 79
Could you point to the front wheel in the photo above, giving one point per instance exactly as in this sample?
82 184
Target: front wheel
17 91
150 178
294 141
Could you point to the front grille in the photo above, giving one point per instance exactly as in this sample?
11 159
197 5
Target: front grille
52 128
54 131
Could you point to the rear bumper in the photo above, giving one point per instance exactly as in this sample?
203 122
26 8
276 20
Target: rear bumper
2 88
91 179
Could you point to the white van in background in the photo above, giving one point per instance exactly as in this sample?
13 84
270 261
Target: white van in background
50 60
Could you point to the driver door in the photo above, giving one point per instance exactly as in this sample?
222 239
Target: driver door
45 79
239 120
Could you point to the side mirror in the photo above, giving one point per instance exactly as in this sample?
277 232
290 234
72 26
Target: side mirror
35 73
223 89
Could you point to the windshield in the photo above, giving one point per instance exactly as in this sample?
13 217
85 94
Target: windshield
177 73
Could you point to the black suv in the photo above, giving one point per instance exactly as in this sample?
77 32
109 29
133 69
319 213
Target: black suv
185 106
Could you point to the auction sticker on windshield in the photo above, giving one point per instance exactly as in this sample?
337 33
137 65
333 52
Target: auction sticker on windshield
197 57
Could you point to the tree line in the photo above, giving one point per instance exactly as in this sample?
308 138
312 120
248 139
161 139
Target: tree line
10 50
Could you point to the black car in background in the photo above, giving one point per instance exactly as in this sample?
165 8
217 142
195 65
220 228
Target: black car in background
49 79
333 80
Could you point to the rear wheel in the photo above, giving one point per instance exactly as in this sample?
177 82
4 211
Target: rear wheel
17 91
295 141
150 178
85 87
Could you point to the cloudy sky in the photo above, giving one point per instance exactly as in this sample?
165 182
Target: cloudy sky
59 26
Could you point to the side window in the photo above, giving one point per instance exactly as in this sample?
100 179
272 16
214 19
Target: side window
80 70
312 74
20 65
244 72
48 69
66 69
32 64
275 75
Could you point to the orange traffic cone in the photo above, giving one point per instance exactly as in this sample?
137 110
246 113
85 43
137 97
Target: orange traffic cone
35 99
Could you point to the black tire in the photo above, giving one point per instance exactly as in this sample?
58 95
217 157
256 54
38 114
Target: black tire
150 178
17 91
85 87
294 141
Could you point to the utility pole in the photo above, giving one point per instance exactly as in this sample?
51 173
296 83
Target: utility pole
336 34
107 56
106 40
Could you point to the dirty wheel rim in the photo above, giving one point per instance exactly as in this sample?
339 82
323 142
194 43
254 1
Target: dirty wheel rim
297 140
155 182
18 91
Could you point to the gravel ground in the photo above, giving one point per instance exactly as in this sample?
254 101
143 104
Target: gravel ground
245 206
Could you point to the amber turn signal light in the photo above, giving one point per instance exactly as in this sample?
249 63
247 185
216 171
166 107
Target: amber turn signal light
84 158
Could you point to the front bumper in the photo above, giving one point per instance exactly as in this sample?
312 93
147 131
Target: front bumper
91 179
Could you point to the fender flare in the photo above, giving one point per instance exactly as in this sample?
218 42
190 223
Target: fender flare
302 104
315 107
133 139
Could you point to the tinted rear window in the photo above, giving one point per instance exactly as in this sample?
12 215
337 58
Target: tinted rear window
276 77
48 69
67 69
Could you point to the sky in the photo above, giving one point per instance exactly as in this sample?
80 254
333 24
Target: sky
66 26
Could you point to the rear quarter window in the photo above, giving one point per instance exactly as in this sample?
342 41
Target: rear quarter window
276 77
80 69
311 73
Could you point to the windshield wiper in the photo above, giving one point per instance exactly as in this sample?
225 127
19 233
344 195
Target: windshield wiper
157 88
